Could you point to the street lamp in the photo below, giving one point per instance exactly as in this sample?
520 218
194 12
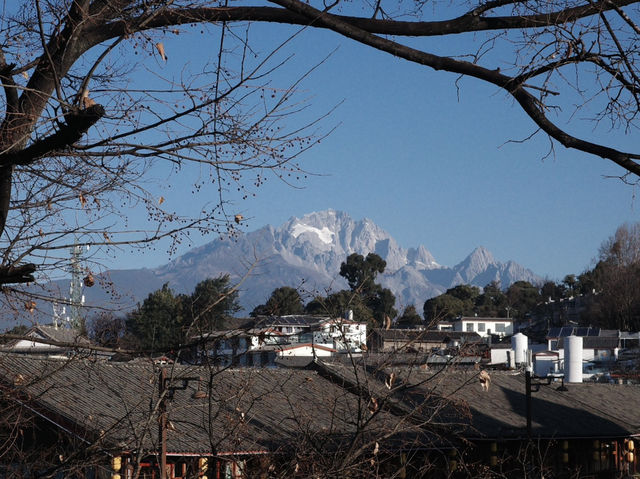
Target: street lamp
166 389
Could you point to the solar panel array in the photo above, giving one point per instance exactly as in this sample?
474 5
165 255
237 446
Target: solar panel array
565 331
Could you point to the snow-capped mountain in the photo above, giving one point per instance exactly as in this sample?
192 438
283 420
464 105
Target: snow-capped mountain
306 253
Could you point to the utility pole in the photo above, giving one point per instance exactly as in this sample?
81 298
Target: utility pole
166 391
162 423
527 375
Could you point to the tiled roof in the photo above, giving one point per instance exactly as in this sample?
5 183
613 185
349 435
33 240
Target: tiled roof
294 320
587 410
247 410
42 337
251 410
63 335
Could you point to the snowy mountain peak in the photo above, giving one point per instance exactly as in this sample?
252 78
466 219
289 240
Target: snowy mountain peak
421 258
325 234
480 258
309 251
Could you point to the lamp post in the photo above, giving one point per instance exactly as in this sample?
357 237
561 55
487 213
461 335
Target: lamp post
166 391
162 423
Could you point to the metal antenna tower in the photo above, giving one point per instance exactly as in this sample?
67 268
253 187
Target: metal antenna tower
76 298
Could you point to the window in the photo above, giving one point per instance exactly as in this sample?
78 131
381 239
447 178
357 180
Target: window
481 327
470 327
500 328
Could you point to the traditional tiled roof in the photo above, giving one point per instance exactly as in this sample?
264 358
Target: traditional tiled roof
293 320
267 410
246 411
63 335
586 410
66 337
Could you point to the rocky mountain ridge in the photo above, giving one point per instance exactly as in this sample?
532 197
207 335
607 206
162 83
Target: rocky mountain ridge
306 253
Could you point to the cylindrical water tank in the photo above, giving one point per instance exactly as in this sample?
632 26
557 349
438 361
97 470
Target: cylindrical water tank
573 359
520 344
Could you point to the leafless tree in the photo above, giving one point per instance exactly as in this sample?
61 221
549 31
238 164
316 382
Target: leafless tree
616 279
96 120
539 54
84 138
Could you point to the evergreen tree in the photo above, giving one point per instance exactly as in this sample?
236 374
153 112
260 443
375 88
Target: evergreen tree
442 308
157 324
409 318
283 301
361 272
213 300
491 303
522 298
337 304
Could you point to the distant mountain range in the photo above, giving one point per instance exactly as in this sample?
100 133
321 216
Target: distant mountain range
306 253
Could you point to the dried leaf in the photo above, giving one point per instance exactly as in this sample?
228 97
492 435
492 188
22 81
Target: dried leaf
390 380
87 102
82 199
373 405
238 218
160 48
106 237
30 306
161 200
25 75
241 413
89 280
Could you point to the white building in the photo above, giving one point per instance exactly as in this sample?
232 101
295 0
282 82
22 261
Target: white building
50 341
281 336
597 344
306 350
484 326
341 334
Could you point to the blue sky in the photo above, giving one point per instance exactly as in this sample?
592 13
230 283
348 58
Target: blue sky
430 163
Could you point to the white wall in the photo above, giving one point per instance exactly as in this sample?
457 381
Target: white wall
482 323
499 356
305 350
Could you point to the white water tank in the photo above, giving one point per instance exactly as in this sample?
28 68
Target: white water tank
519 345
573 359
